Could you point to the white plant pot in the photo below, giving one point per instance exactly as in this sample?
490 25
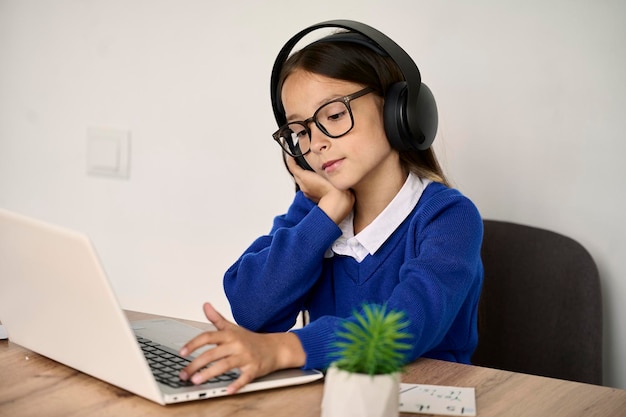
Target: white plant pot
359 395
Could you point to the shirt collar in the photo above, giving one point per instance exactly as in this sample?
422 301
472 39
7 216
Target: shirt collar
370 239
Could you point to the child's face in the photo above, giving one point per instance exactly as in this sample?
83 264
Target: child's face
363 156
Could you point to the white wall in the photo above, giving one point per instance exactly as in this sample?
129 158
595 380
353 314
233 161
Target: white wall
531 96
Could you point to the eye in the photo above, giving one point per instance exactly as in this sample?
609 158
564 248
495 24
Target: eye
337 116
298 133
334 112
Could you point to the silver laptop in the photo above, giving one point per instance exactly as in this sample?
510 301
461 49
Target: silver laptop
56 300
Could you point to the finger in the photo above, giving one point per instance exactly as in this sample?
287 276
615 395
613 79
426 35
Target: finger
210 337
206 359
206 338
292 165
238 383
213 370
216 318
293 168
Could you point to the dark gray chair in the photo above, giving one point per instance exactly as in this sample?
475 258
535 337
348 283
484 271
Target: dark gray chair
540 311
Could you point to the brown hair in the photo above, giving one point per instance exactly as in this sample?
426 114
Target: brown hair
360 64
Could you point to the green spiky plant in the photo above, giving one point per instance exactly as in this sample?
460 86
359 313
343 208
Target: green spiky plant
374 343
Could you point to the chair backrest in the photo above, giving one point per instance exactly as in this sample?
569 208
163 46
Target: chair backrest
540 310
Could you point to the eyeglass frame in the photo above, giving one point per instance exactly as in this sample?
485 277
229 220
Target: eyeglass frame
305 123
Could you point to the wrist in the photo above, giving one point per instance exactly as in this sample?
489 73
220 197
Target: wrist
337 205
290 353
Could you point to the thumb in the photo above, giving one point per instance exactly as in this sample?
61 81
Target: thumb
216 318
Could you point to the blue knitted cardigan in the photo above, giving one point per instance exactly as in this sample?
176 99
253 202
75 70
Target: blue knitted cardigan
430 268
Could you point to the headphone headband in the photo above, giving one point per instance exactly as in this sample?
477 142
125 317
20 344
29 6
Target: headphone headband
412 119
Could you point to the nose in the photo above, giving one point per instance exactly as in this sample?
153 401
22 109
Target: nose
319 141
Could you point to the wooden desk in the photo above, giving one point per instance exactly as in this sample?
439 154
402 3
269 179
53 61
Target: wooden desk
32 385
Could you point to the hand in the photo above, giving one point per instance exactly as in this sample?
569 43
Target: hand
336 203
255 354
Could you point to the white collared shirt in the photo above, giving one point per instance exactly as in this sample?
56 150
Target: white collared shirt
370 239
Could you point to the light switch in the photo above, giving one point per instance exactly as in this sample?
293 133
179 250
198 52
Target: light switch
108 152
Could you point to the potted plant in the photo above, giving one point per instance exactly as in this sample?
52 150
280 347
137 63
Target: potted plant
364 378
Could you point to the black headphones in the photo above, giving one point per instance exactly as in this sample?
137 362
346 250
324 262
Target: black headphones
410 110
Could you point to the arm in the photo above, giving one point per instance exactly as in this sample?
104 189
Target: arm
276 273
266 288
437 284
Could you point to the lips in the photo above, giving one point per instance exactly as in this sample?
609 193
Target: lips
331 165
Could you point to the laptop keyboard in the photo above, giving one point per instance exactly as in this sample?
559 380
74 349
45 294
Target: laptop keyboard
166 366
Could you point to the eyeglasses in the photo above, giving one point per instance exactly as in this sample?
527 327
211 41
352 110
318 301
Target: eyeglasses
334 119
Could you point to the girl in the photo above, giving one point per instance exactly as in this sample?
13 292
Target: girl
370 222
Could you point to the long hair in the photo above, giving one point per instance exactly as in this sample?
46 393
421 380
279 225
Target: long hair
359 64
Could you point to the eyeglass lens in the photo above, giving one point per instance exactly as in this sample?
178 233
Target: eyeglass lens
333 119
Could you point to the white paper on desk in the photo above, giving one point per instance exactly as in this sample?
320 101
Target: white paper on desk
437 399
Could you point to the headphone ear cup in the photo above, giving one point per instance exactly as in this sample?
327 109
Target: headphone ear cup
394 117
399 132
428 117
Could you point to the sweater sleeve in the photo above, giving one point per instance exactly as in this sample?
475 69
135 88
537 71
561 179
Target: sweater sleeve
438 284
266 287
441 278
